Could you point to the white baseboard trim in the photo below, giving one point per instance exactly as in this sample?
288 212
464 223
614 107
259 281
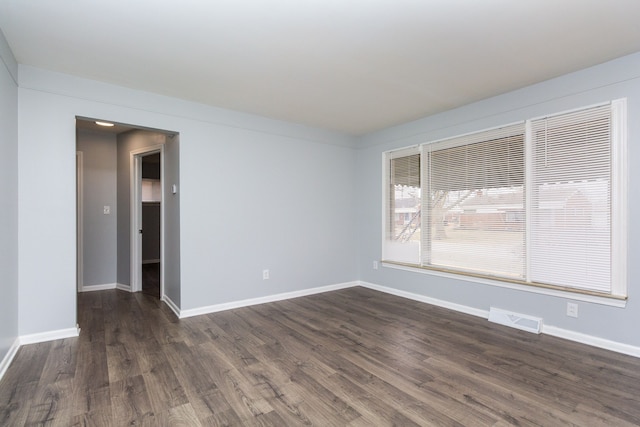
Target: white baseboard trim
33 339
104 287
126 288
262 300
8 358
546 329
591 340
434 301
172 305
49 336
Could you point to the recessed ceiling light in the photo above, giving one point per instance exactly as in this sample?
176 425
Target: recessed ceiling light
104 124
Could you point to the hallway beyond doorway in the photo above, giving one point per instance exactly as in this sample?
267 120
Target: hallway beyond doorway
151 279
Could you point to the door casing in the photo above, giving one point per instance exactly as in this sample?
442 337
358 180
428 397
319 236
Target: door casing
136 215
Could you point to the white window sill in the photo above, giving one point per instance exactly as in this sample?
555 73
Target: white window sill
576 296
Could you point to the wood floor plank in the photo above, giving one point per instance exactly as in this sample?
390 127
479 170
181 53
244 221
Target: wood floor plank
14 409
245 400
183 415
353 357
50 406
61 362
213 409
164 388
92 406
91 419
27 365
91 366
277 367
281 367
373 406
130 402
189 369
297 396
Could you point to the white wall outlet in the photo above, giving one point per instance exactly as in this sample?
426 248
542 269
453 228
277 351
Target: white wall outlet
265 274
375 265
106 210
572 309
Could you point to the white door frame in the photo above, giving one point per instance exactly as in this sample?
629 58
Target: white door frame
136 215
79 221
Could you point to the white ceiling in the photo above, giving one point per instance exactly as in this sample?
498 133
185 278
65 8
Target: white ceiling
90 125
353 66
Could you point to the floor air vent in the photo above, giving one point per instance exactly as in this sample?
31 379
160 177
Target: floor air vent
515 320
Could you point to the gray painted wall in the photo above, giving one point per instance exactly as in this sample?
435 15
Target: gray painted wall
9 199
616 79
99 190
254 193
171 202
253 201
47 225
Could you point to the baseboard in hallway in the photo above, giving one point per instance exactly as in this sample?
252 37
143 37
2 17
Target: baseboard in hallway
102 287
8 358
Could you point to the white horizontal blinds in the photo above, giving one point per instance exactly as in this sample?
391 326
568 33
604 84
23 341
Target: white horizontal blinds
571 200
403 230
405 170
475 205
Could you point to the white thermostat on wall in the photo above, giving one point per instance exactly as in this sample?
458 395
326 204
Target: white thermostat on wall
174 189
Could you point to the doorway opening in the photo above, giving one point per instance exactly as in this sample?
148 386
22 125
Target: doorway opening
147 220
126 215
150 223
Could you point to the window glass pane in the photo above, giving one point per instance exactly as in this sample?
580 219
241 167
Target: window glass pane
476 206
402 243
571 200
480 231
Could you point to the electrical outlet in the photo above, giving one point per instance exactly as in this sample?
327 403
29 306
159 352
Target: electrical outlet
265 274
106 210
572 309
375 265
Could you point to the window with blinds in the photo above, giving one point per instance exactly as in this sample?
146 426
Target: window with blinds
540 202
571 199
475 208
402 242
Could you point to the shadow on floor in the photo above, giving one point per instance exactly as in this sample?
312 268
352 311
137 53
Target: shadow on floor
151 279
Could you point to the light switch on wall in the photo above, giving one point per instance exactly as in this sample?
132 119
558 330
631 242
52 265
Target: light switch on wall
107 210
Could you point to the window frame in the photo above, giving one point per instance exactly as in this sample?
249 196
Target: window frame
618 228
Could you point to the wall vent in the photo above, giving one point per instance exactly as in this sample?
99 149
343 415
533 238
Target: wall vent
515 320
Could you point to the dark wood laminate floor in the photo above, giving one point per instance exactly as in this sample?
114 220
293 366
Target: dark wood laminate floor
151 279
353 357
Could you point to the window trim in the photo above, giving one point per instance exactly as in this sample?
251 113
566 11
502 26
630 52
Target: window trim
619 197
619 205
572 294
